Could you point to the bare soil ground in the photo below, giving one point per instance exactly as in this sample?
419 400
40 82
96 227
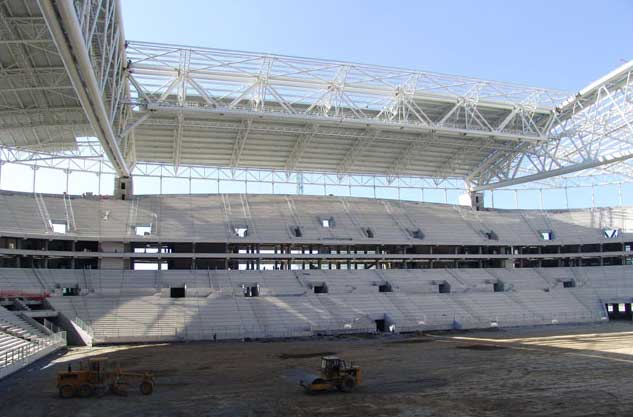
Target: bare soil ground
543 371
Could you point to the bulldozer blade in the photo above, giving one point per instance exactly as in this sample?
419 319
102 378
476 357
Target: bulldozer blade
119 389
307 378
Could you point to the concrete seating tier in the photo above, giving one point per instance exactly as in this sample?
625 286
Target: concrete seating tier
21 343
124 306
274 218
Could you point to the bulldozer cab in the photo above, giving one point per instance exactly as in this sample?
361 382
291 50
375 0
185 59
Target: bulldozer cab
333 366
97 368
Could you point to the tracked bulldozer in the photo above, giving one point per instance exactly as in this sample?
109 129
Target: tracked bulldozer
96 377
335 373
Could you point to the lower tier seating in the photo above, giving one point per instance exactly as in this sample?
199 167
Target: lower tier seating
123 306
22 343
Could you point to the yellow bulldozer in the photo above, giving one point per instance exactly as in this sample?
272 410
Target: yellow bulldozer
96 377
335 373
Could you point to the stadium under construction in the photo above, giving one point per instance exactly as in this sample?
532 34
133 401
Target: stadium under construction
328 206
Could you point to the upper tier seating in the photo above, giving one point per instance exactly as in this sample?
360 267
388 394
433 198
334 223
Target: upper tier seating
276 218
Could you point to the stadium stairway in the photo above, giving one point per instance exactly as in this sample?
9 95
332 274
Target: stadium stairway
22 343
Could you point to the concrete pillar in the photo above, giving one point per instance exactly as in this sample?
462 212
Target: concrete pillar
276 265
473 198
46 257
193 258
123 188
74 249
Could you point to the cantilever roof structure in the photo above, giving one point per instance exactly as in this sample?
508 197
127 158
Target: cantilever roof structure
61 75
66 71
39 109
239 109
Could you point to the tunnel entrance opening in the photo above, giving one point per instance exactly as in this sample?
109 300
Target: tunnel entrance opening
381 326
320 288
177 292
619 311
250 290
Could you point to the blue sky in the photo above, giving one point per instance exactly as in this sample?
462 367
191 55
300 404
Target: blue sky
556 44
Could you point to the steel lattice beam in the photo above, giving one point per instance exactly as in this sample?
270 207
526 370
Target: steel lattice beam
592 130
273 110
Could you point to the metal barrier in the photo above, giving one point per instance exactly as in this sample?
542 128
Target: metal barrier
425 323
84 326
16 358
51 326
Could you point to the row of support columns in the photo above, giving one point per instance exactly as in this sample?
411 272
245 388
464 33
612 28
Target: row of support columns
300 187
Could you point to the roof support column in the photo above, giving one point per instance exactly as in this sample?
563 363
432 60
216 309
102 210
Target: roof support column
63 23
123 188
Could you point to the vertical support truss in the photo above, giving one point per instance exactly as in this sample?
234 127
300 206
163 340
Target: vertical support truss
240 142
299 147
356 151
404 158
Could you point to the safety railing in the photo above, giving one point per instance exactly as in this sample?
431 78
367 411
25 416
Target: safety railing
164 333
11 360
457 321
50 326
84 326
192 332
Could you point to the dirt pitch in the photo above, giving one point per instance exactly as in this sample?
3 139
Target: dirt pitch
543 371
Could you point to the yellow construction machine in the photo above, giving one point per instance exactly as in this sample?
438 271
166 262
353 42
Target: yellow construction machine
95 377
335 373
